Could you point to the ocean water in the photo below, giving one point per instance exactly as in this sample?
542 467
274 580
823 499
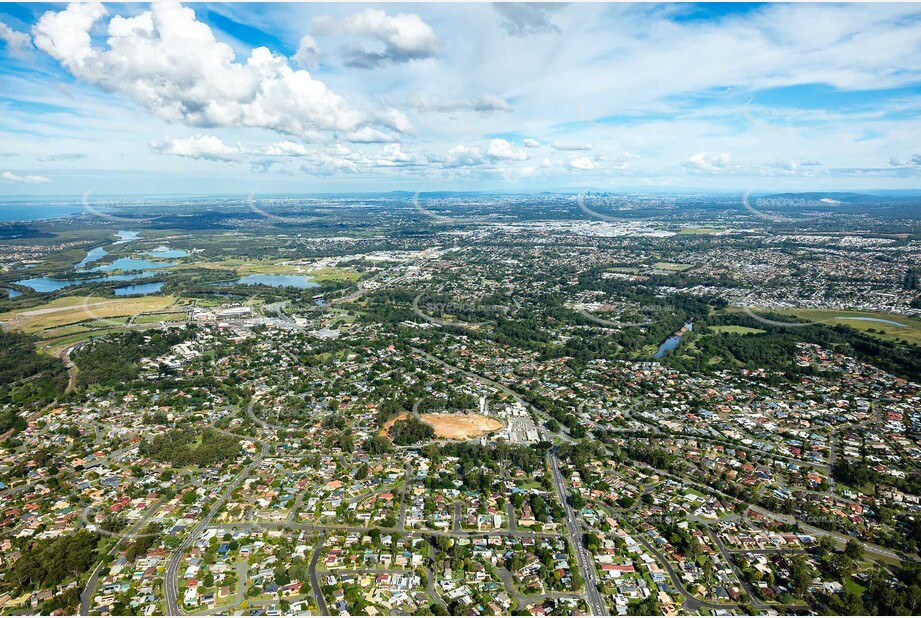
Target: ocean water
32 211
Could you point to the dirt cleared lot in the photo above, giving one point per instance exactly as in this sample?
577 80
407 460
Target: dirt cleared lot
454 426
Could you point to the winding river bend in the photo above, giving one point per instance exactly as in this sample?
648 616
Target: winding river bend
672 342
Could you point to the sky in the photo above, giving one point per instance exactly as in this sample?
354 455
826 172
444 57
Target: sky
313 98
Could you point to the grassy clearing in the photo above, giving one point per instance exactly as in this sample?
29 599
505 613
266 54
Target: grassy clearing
280 267
700 230
742 330
911 332
334 274
671 266
59 344
630 270
73 309
160 317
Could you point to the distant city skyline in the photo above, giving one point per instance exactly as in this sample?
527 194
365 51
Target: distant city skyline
322 98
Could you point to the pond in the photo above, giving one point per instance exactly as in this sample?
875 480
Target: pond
672 342
11 293
668 345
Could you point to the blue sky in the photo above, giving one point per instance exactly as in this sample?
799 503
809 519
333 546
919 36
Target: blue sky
218 98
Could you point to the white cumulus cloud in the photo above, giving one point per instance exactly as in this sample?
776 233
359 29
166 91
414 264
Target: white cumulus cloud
370 135
32 180
207 147
307 53
393 155
709 163
484 104
16 42
464 156
405 37
503 149
285 149
172 64
581 163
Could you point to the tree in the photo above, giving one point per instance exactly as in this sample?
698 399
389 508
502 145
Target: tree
854 550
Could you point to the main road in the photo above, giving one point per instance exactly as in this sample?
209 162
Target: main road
595 602
172 568
86 598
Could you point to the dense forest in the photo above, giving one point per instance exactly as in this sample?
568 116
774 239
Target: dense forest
411 430
28 380
114 360
182 447
775 347
49 563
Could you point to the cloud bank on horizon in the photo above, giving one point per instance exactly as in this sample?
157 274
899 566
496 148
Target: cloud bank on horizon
517 96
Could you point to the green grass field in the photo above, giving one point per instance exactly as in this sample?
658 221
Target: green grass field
671 266
160 317
911 332
741 330
700 230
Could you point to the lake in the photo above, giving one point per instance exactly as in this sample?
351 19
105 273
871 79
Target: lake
127 264
46 284
93 255
139 288
166 252
126 236
11 293
279 281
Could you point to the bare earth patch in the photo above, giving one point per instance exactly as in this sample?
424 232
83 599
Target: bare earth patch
454 426
461 426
